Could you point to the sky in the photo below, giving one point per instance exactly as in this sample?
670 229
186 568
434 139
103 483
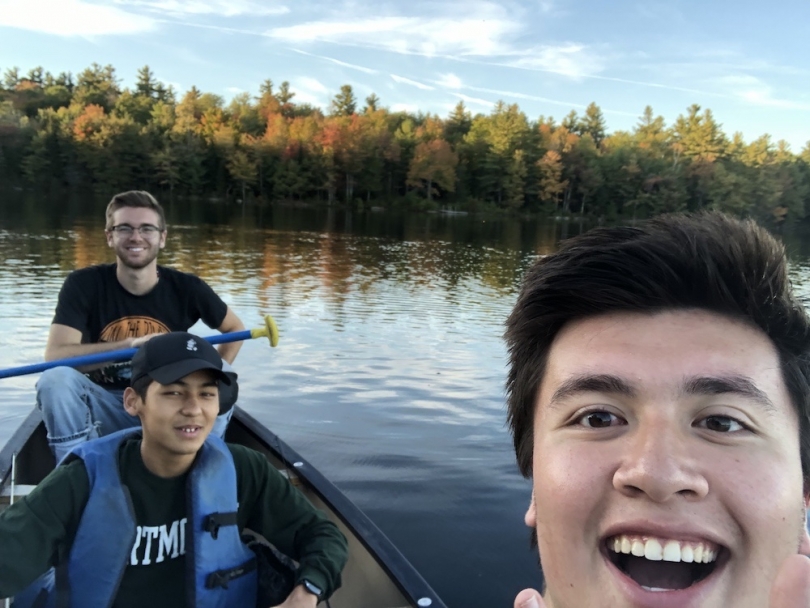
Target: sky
747 61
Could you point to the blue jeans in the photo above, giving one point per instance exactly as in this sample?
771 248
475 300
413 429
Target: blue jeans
76 409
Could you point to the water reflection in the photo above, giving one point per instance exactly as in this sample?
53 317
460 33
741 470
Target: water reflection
389 374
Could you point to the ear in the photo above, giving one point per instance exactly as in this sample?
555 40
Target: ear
109 234
132 401
163 236
530 519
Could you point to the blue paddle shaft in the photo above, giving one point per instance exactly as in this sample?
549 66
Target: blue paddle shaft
112 356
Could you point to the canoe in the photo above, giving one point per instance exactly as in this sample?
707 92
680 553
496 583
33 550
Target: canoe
376 575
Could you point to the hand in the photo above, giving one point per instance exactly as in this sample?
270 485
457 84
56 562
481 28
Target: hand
529 598
301 598
138 342
791 588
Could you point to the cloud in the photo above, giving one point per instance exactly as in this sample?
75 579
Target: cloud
311 84
234 90
352 66
754 91
413 83
477 101
311 91
507 95
411 108
568 59
71 18
222 8
482 31
449 81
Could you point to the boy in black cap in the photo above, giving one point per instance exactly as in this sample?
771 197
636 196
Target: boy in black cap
152 516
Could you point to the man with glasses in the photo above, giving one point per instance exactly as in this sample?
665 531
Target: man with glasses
115 306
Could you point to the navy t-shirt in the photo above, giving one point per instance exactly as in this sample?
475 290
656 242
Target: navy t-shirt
93 302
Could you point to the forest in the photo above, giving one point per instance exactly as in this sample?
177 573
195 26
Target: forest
88 131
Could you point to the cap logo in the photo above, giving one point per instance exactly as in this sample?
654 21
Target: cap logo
191 345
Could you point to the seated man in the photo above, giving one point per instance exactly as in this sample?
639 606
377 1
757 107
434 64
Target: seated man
108 307
659 398
152 516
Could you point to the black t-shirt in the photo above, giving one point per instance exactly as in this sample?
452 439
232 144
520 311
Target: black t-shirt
94 302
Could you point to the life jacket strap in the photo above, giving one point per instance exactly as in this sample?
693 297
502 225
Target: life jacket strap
215 521
221 578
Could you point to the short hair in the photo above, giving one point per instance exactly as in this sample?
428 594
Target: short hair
703 261
134 198
141 386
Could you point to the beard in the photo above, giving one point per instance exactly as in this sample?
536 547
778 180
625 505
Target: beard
150 253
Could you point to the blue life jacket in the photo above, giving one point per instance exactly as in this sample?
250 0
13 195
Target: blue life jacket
220 568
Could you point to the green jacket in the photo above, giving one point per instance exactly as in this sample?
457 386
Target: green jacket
36 533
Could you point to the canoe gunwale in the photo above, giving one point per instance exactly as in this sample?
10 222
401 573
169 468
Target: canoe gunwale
404 575
17 442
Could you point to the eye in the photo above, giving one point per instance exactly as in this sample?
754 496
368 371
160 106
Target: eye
722 424
599 419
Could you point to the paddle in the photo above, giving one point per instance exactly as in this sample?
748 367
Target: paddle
269 331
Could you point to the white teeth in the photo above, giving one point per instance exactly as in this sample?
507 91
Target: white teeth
672 551
653 550
658 549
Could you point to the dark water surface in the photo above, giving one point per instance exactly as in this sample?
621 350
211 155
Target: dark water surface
389 373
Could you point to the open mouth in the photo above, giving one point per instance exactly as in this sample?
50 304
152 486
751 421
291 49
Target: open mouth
658 564
188 430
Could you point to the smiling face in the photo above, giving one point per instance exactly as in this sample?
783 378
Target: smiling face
176 419
666 464
135 250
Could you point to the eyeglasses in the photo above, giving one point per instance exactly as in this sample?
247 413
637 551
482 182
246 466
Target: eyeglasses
145 230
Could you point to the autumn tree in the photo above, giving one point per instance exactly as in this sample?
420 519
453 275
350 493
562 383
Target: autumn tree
434 162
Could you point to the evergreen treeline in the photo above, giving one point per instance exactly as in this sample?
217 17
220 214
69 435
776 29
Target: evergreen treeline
89 131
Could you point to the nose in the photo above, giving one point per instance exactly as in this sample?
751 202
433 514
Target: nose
191 406
659 464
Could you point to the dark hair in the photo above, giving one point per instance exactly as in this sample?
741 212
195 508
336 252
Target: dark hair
134 198
141 385
707 261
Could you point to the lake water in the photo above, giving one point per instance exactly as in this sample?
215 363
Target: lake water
389 373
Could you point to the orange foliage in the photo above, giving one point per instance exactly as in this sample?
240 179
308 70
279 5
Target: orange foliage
88 122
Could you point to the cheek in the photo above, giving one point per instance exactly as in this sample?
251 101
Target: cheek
764 494
571 488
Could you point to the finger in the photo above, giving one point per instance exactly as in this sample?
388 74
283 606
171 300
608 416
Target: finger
529 598
791 588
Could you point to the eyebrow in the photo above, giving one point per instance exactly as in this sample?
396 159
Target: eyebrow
695 386
592 383
728 385
186 384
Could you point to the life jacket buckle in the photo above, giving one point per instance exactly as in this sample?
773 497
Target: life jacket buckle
212 523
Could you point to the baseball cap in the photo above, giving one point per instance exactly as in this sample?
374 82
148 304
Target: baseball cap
169 357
